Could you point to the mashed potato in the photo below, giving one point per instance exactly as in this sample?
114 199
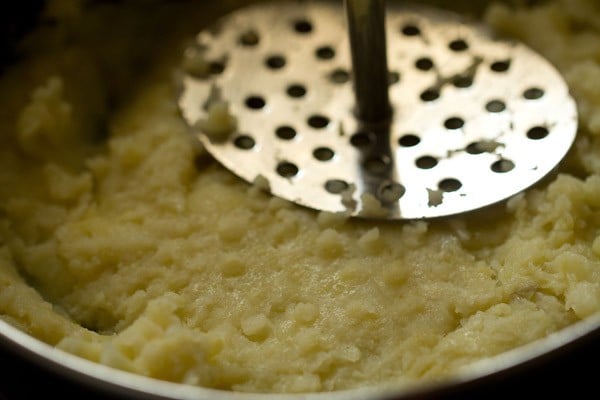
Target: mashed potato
123 242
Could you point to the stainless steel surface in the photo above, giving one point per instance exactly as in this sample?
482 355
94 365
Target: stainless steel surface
124 385
476 120
368 45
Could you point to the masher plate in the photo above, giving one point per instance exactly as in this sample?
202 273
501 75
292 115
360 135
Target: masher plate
476 119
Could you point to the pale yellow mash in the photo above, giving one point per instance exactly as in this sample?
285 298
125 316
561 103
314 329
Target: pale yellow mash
123 242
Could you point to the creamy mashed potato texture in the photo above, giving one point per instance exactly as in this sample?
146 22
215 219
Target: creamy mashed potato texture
123 242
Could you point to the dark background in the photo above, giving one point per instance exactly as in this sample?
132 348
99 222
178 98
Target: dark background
571 373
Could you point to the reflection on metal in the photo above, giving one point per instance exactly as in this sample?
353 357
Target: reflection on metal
368 49
475 119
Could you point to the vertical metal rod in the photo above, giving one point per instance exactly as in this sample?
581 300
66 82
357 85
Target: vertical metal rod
366 29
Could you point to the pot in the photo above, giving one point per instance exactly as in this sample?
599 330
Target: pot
558 363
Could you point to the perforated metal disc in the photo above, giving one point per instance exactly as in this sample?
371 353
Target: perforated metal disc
476 120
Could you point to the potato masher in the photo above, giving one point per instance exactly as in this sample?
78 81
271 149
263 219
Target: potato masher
388 111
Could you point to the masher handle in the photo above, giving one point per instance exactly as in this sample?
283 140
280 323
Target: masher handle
366 29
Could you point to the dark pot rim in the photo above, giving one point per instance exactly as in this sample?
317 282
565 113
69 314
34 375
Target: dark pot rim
484 373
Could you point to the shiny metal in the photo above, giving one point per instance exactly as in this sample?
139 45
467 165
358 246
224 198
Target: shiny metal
476 120
368 44
114 383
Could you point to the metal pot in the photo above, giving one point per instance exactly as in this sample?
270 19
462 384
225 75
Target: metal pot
561 363
555 364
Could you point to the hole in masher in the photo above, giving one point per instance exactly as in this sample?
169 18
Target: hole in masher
458 45
449 185
409 140
249 38
318 121
454 123
424 63
502 166
285 132
323 154
296 91
430 95
244 142
339 76
495 106
336 186
287 169
303 26
483 146
391 192
362 139
255 102
533 93
216 67
411 30
500 66
475 148
275 61
426 162
462 81
325 53
377 165
537 133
